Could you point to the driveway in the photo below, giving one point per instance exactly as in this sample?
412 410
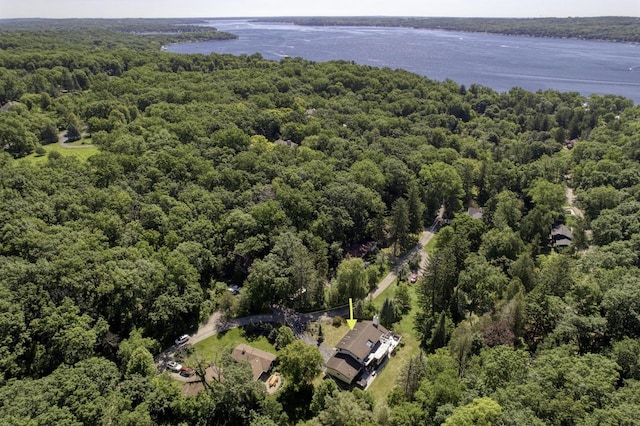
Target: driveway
571 199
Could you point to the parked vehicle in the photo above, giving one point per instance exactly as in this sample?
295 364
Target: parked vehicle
182 339
187 372
172 365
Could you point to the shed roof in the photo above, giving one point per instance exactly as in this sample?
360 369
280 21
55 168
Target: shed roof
475 212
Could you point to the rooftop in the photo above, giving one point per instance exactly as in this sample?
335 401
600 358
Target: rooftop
345 365
361 340
259 360
561 230
475 213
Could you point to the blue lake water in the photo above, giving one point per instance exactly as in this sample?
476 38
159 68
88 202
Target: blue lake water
497 61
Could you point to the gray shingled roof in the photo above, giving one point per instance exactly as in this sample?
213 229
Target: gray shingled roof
361 340
345 365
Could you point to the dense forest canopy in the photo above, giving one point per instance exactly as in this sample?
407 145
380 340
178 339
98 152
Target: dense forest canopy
612 28
208 171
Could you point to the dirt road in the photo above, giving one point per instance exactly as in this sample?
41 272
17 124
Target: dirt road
571 199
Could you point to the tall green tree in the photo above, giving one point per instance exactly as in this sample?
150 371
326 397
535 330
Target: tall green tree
351 281
481 411
141 363
415 207
400 225
74 128
443 186
300 363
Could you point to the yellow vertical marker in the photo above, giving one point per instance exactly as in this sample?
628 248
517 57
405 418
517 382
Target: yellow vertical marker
351 322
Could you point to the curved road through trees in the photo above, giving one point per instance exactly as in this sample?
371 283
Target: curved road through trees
216 324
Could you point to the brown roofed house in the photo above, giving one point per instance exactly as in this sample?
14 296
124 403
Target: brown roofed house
261 362
360 341
363 348
343 367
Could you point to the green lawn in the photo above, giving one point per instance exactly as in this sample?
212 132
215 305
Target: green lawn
81 154
386 379
431 245
209 349
82 142
332 335
389 293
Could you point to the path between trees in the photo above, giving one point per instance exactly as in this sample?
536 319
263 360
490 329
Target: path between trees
571 199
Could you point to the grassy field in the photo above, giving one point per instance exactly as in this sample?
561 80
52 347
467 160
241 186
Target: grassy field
87 140
411 346
214 345
332 335
81 154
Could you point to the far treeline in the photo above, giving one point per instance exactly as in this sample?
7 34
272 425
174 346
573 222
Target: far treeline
210 171
611 28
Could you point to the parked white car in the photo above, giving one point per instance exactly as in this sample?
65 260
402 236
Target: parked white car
172 365
182 339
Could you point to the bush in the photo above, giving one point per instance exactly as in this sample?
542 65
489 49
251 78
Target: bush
54 155
337 321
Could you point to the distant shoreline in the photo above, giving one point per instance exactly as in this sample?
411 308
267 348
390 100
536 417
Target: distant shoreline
608 29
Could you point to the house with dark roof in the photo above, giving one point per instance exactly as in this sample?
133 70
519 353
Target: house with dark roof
560 236
260 361
361 350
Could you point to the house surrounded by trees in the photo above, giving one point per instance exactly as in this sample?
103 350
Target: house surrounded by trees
361 351
561 236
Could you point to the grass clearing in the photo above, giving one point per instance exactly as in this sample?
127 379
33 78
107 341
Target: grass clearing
210 348
410 346
332 335
81 142
81 154
389 293
431 245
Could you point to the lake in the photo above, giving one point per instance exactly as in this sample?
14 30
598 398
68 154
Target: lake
497 61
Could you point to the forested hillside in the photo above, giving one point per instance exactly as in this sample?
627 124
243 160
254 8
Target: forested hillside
215 170
611 28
